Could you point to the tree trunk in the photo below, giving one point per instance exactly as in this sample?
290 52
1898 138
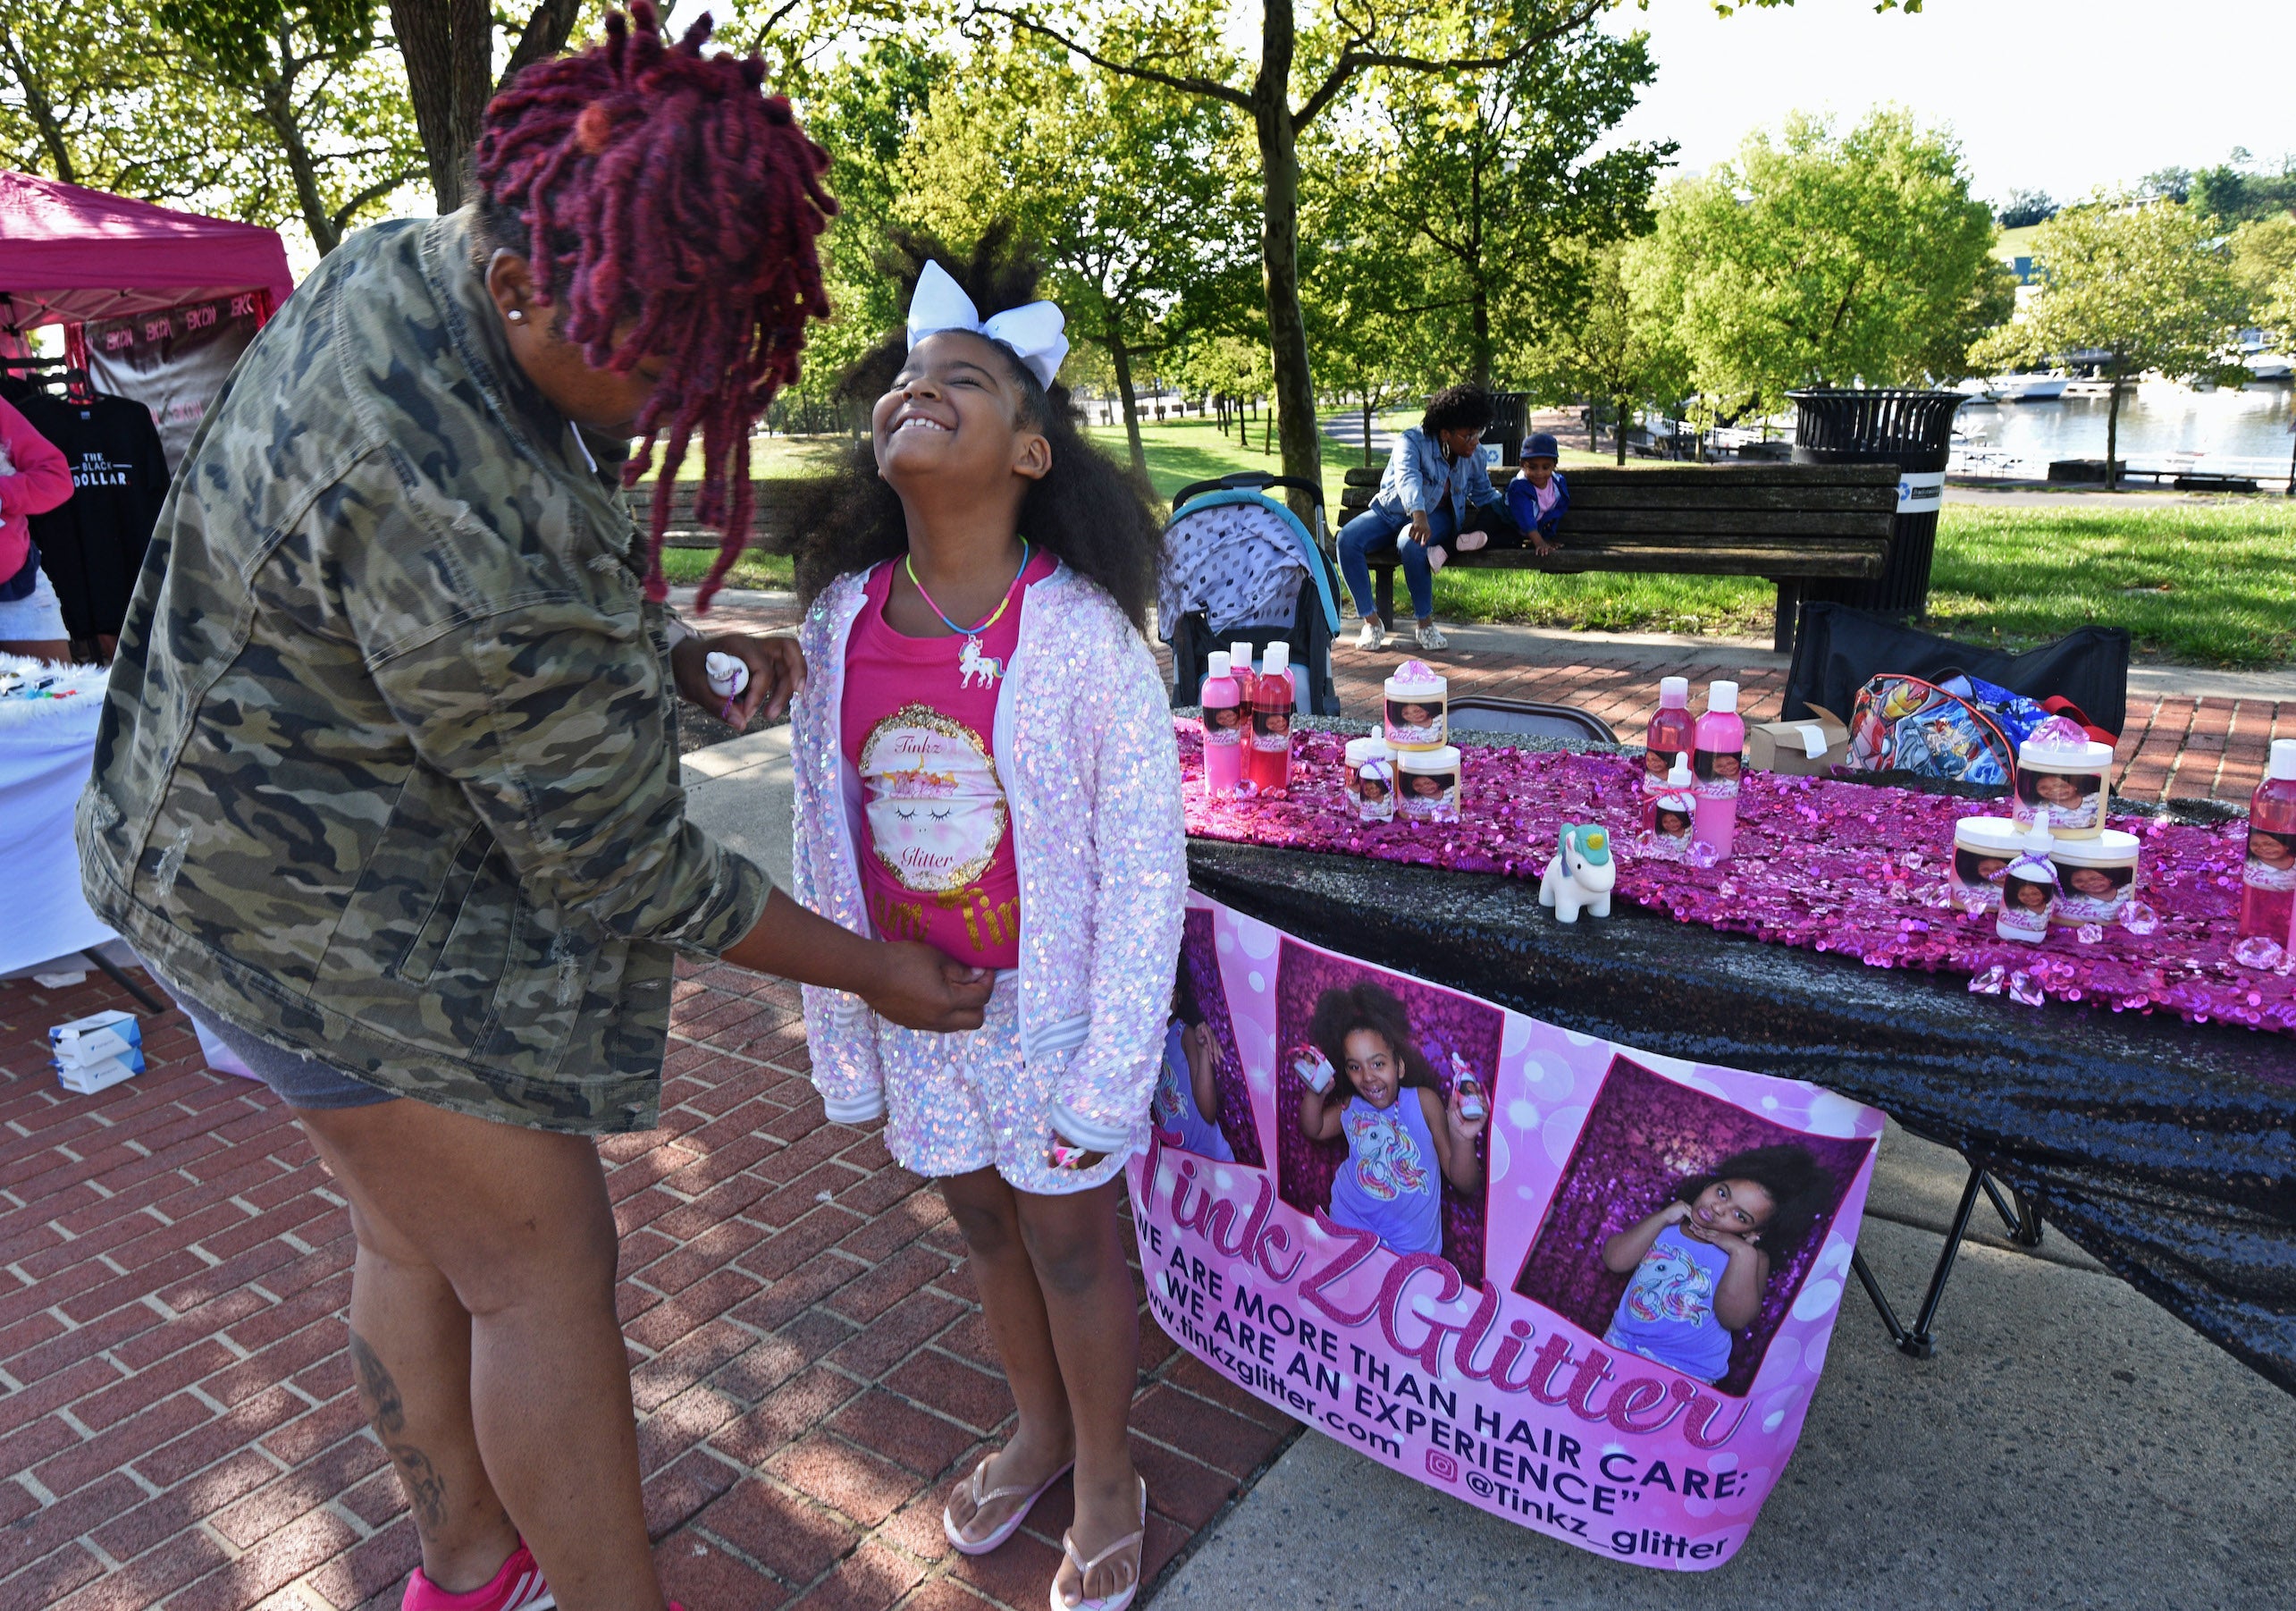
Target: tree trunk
449 49
1279 252
1366 429
1478 304
1619 430
1121 356
41 111
2113 433
278 113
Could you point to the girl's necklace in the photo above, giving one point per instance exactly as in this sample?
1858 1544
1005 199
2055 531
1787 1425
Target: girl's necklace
969 654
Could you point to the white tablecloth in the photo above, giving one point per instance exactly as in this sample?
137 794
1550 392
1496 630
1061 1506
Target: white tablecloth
45 749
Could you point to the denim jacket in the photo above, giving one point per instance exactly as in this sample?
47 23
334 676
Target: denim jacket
386 773
1418 475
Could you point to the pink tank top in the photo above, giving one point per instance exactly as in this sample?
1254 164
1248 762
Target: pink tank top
918 725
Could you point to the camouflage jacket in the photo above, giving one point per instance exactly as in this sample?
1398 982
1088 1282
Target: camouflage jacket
386 770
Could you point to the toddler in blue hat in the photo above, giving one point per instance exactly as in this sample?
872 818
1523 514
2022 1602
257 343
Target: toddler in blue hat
1539 496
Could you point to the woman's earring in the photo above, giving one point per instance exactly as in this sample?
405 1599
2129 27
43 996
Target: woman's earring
516 316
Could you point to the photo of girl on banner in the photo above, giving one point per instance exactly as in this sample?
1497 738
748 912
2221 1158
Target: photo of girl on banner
1683 1226
1202 1104
1386 1145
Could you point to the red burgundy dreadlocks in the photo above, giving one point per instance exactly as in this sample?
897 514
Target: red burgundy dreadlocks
657 189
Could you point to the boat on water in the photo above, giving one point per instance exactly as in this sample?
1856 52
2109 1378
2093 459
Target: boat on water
2026 388
2270 366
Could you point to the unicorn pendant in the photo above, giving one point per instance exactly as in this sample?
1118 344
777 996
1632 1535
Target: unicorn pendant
973 663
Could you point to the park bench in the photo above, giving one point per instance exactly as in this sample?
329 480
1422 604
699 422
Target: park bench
770 520
1790 524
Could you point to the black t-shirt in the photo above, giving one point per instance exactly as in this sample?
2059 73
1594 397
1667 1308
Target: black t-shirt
92 545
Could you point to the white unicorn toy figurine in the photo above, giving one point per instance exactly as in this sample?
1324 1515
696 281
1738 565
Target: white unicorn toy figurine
973 663
1580 877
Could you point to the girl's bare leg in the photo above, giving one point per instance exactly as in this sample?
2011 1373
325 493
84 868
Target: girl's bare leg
1076 1244
514 1224
987 1211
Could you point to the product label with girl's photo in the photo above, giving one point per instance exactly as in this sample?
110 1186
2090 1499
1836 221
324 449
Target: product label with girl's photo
1271 730
2088 894
1412 722
2271 860
1977 877
2061 801
1223 725
1428 797
1469 1258
1716 772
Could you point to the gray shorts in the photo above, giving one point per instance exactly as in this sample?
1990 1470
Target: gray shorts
296 1079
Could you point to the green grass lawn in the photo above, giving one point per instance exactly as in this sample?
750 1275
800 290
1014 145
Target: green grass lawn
2205 586
2201 584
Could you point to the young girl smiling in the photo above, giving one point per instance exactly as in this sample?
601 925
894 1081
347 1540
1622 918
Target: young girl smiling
985 760
1403 1139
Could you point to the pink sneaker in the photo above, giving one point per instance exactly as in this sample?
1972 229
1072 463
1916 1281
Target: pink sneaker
518 1587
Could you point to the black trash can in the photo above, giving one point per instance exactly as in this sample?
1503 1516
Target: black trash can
1913 430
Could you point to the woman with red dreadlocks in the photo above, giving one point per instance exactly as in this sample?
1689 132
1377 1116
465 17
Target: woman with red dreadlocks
386 790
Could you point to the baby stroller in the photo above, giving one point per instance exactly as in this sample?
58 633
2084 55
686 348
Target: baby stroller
1238 564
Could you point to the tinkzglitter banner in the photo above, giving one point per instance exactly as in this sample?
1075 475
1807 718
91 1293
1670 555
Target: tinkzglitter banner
1584 1287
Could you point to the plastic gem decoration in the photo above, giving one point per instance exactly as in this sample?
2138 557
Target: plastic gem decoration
2059 733
2257 952
2139 918
2025 987
2089 933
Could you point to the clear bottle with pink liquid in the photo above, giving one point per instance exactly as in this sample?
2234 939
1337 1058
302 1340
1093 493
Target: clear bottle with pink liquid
1717 757
1267 761
1224 722
2268 871
1672 733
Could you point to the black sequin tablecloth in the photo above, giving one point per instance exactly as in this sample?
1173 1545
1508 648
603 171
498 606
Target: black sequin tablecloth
2164 1148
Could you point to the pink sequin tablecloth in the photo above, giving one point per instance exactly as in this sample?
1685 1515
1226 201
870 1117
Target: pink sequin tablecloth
1830 867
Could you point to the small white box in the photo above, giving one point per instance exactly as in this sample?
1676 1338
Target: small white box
92 1078
97 1038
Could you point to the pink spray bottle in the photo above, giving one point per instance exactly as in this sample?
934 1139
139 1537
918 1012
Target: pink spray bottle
1268 767
1671 733
2268 871
1225 720
1716 758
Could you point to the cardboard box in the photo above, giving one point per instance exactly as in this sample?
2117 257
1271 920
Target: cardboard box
1803 749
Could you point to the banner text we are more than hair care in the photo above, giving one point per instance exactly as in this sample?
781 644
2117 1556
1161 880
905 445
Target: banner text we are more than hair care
1605 1324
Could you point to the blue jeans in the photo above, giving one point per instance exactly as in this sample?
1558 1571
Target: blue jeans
1375 527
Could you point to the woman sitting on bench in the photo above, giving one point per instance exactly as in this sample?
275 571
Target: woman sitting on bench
1435 484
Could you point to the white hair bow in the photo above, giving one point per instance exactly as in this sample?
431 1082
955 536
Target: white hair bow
1033 332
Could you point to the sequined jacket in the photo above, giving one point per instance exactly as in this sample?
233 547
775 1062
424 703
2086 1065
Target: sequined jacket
386 772
1084 751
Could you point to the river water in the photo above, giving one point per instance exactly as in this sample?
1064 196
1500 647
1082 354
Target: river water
2234 433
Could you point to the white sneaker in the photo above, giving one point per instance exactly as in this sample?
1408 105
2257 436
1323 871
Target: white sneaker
1469 541
1436 560
1373 636
1430 638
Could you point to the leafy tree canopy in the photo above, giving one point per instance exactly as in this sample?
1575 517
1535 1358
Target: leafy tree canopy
1814 258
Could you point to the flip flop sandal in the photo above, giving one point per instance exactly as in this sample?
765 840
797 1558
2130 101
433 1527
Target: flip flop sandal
1134 1541
984 1497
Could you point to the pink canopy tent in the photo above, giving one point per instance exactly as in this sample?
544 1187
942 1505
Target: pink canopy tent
69 255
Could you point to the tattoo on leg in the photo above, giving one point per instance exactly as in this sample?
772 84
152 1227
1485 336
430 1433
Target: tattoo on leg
426 1489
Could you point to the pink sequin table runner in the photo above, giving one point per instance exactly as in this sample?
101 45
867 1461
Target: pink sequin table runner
1846 867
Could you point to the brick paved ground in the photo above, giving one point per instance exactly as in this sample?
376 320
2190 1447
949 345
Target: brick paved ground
2201 748
177 1421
